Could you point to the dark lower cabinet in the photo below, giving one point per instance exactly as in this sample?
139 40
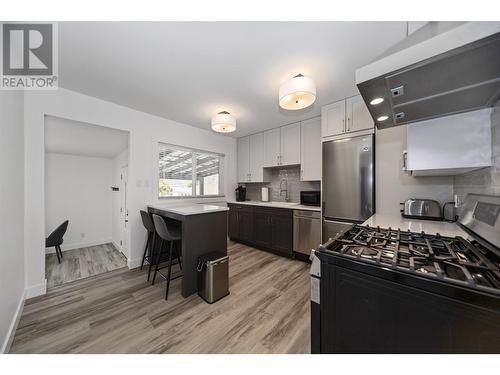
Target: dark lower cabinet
365 314
262 227
282 233
246 224
240 223
263 234
233 226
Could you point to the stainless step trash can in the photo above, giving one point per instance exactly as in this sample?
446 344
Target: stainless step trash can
213 276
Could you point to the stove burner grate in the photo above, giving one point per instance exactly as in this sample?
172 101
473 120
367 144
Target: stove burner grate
446 258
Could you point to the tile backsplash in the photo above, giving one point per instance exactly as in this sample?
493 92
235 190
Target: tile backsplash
275 175
486 180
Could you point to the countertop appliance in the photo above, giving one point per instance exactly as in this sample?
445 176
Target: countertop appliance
426 209
264 197
310 198
458 61
306 231
348 183
383 290
241 193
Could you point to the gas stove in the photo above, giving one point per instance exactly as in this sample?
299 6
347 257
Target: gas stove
455 260
386 290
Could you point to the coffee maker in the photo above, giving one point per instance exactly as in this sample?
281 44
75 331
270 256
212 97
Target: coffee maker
241 192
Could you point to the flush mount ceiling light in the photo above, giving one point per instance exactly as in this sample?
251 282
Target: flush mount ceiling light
377 101
297 93
223 122
382 118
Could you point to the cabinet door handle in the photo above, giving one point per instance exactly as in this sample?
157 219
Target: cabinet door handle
348 124
405 161
343 126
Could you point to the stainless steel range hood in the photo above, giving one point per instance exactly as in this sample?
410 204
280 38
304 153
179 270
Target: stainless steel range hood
441 69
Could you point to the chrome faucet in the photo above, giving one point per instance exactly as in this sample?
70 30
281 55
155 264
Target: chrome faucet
285 190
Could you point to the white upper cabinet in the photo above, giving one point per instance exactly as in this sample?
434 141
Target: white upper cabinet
310 150
298 143
272 147
449 145
358 116
244 159
333 119
290 144
256 169
345 117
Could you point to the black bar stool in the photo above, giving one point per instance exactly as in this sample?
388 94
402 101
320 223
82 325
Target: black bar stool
167 233
147 221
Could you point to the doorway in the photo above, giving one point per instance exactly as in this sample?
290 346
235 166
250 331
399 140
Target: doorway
82 163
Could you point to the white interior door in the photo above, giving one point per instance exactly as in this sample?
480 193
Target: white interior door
124 210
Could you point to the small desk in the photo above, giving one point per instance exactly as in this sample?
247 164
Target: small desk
204 229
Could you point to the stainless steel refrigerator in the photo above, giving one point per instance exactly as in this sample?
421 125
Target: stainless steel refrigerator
348 185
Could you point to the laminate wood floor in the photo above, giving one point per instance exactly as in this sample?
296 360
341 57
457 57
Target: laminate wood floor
82 263
267 311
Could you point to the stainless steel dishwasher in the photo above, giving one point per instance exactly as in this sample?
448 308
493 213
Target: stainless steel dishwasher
306 231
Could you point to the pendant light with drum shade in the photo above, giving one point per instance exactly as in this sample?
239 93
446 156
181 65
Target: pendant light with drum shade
297 93
223 122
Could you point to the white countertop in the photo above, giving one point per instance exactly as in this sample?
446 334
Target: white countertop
190 209
396 221
289 205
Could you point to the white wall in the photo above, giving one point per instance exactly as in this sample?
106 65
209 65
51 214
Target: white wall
120 161
11 214
392 184
145 131
78 189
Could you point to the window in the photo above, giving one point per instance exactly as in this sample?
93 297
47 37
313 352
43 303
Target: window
188 173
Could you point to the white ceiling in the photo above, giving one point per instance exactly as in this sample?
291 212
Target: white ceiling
79 138
188 72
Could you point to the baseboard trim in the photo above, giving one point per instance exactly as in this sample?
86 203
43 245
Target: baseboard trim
117 247
134 263
66 247
36 290
13 325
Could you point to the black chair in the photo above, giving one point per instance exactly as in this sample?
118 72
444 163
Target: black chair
147 221
55 239
167 233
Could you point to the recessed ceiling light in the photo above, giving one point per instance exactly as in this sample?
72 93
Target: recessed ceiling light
377 101
383 118
223 122
297 93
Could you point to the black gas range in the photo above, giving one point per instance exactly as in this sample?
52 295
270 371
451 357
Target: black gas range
383 290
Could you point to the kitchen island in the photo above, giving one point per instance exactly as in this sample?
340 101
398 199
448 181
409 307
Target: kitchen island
204 229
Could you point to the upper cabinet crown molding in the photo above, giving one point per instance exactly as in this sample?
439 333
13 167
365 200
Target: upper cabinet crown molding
346 117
